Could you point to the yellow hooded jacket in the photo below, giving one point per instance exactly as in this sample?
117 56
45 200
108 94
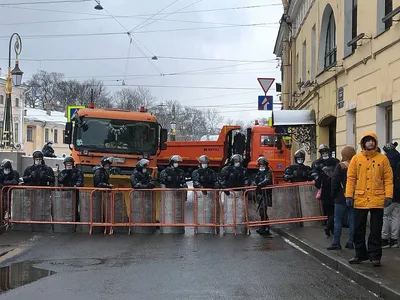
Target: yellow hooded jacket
369 178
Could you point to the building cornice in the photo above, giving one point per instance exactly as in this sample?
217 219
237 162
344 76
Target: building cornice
278 48
294 7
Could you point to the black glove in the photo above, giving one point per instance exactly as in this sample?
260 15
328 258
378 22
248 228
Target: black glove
204 193
388 202
150 186
138 186
184 186
227 193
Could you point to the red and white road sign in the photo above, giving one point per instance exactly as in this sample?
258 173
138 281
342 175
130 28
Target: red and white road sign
266 83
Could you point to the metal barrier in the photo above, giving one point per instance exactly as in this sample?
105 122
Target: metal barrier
94 210
289 205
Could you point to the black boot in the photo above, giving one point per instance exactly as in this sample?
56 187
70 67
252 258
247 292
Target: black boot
357 260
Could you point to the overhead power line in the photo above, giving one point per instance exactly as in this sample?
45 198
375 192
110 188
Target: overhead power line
185 87
44 2
43 59
146 15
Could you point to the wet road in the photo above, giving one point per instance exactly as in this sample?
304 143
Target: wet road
174 267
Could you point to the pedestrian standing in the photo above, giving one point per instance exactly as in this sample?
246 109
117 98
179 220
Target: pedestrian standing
338 186
391 214
369 189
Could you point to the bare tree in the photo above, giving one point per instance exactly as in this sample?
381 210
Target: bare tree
133 99
101 96
213 120
69 92
43 89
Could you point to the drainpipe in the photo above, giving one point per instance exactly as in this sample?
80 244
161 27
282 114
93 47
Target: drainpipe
286 59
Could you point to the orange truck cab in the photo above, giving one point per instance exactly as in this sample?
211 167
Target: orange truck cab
127 136
259 141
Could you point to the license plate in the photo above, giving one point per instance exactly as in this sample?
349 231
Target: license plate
119 160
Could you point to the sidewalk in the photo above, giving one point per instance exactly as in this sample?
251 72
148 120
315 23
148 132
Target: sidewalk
13 243
384 281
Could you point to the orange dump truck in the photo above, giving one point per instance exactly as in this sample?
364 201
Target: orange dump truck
258 141
128 136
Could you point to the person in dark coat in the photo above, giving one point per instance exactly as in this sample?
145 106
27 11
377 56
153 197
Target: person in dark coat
141 178
338 186
48 150
234 175
39 174
173 177
322 171
298 172
262 179
391 214
8 177
70 176
101 175
204 177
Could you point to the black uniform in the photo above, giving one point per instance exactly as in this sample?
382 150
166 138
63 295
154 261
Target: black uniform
297 173
204 178
39 175
101 177
140 180
233 177
12 178
70 178
173 178
48 151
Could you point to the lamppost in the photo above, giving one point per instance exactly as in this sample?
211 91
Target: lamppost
14 76
173 130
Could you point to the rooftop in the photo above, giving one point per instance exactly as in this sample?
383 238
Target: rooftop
40 115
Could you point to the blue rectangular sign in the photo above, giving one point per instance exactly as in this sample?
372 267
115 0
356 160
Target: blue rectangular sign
265 102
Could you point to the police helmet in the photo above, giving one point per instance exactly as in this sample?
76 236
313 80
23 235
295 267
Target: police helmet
204 159
69 159
142 163
262 161
106 159
236 158
6 164
37 154
50 143
175 159
323 148
299 154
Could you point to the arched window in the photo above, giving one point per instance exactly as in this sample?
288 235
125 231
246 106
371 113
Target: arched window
330 45
327 40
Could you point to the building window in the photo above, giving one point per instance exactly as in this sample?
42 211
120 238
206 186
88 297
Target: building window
313 50
55 136
46 135
330 45
1 99
29 134
16 132
16 102
304 62
389 124
388 9
354 24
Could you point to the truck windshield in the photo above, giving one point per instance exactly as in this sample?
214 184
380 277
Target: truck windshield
269 140
116 136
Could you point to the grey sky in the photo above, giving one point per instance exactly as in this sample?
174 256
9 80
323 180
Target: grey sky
236 43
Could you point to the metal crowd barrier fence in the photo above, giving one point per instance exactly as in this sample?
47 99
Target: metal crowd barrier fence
284 205
94 210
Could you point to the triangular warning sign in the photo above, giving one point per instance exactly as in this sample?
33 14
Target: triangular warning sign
266 83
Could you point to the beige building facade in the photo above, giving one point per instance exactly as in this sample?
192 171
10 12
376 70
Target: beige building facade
340 59
40 127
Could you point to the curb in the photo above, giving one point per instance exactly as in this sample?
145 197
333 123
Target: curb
366 282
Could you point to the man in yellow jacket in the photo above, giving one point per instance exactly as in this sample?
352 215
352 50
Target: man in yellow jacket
369 188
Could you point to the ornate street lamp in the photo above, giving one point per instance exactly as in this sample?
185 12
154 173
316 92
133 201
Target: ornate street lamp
14 76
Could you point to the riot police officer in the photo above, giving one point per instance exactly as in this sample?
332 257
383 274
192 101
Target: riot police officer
70 176
298 172
234 175
48 150
141 179
101 175
322 171
172 176
8 177
204 177
39 174
262 179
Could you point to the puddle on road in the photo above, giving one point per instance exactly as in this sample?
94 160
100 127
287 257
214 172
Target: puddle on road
20 274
